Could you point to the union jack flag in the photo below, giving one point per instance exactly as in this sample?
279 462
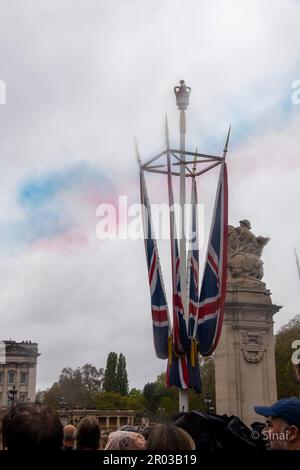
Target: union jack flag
213 289
193 293
193 264
159 307
178 365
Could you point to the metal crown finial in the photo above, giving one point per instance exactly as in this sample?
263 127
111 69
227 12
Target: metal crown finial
182 94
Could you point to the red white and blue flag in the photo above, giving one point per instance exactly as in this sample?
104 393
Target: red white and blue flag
193 292
178 366
159 307
213 289
193 263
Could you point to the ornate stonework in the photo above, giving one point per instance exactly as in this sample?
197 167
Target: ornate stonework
244 255
245 356
253 346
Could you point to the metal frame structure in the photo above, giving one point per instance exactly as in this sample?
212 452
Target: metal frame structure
181 161
181 168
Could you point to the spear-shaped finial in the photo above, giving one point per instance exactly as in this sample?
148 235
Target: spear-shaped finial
297 262
195 161
226 143
137 152
167 131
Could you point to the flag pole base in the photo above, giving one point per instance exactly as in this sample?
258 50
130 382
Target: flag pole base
183 400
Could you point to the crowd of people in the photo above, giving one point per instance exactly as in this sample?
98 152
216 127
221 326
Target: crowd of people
27 427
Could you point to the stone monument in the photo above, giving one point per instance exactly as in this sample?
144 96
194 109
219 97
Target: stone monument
245 357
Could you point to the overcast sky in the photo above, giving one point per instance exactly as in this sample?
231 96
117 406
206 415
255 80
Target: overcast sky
82 79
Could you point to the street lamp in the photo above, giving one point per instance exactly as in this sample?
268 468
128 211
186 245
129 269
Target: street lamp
63 410
12 395
63 405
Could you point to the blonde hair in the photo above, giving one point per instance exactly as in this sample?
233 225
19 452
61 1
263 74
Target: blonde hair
169 437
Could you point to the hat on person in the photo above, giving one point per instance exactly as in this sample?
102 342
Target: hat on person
288 409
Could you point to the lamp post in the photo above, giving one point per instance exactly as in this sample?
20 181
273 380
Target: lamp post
63 410
182 94
12 395
63 405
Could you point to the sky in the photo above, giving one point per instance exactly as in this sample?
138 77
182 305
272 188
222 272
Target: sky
82 79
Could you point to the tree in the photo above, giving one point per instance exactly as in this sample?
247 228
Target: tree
153 393
208 381
135 401
78 387
92 378
162 403
110 374
115 376
121 378
110 401
286 373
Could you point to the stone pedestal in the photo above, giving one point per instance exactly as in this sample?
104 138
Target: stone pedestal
245 358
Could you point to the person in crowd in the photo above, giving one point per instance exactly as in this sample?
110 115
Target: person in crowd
69 437
282 430
31 427
88 434
169 437
125 440
103 439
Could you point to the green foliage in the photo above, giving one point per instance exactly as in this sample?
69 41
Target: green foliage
115 401
110 374
162 403
88 387
135 401
153 392
92 378
287 383
115 376
78 387
110 401
121 377
207 369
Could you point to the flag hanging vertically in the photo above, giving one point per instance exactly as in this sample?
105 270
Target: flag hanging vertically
193 292
213 289
159 307
177 373
193 263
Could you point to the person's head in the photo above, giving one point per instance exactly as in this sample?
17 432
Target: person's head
88 434
69 436
125 440
282 429
31 426
169 437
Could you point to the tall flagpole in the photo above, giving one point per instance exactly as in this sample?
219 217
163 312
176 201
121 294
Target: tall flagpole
182 94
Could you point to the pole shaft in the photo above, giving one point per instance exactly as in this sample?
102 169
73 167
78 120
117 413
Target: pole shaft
183 394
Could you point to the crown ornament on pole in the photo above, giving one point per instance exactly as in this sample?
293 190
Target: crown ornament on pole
182 94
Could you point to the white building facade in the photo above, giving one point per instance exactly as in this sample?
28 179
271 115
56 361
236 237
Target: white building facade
18 363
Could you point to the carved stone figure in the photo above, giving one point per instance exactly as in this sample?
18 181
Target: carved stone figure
244 252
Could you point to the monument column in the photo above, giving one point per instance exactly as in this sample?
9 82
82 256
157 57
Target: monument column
245 356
